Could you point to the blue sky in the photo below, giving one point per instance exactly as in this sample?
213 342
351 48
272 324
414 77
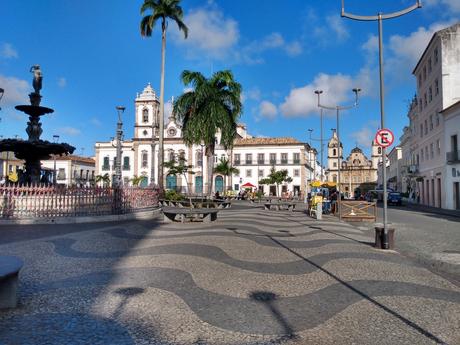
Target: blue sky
93 59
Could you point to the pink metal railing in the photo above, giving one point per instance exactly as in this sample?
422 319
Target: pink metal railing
41 201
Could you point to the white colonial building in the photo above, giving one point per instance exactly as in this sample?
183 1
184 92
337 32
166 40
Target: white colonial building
451 117
254 157
438 87
71 170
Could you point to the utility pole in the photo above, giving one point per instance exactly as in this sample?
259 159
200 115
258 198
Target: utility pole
379 18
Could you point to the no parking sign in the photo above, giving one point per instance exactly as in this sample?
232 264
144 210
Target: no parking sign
384 137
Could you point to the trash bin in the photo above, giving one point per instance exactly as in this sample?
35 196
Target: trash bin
379 237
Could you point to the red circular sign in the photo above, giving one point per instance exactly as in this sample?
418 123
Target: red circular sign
384 137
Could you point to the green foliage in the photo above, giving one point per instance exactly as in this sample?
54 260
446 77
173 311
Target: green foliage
213 104
161 9
225 168
172 195
276 177
105 179
179 167
136 180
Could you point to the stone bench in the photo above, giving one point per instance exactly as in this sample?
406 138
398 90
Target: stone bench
207 215
9 271
279 206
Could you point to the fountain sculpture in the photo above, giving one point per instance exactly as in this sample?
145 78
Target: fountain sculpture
33 150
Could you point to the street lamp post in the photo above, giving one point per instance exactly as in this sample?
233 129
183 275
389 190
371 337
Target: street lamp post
56 140
337 108
310 130
2 91
380 17
117 179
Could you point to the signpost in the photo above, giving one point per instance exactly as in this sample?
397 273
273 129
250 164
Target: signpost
384 138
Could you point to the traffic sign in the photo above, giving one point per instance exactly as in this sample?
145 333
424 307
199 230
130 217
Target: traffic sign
384 137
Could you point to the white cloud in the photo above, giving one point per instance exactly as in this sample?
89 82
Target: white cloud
168 110
7 51
253 94
293 48
406 50
371 46
364 136
268 110
335 30
336 88
15 90
210 33
72 131
337 24
251 53
62 82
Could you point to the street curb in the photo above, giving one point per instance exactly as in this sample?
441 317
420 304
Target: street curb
142 215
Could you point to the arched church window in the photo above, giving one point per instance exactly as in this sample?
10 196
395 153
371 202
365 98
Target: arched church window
145 115
334 152
334 178
379 150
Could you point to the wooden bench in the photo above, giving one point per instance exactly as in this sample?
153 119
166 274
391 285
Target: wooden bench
279 205
207 215
9 271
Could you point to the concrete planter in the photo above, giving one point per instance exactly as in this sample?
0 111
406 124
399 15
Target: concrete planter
379 237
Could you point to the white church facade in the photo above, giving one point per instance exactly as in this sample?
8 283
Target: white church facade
254 157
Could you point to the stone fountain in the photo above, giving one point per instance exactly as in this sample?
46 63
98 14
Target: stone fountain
33 150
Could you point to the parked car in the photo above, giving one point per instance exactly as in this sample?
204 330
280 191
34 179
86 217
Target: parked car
394 198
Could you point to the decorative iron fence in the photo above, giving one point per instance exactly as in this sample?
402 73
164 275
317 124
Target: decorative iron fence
21 202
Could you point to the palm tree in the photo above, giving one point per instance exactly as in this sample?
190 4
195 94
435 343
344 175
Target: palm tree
276 177
161 10
213 105
225 168
105 179
136 180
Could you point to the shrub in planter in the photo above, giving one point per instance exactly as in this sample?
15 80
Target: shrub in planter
172 195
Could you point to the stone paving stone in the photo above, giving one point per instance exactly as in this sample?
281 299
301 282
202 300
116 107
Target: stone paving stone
253 277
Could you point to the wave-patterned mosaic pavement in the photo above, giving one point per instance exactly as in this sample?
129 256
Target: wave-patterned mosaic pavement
252 277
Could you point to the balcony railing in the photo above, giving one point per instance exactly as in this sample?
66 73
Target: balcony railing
126 167
105 167
268 162
453 157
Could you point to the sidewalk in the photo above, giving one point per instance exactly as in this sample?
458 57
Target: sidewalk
431 209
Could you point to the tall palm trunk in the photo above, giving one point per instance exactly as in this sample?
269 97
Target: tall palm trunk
162 108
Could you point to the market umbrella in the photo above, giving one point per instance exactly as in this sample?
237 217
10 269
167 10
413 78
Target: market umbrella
316 184
248 185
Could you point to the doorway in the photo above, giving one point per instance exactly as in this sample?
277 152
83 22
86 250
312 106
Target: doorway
439 193
171 182
198 184
219 182
457 195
